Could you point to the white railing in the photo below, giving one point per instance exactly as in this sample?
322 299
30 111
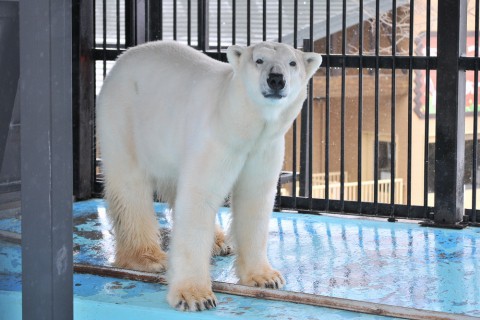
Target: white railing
319 178
351 188
368 189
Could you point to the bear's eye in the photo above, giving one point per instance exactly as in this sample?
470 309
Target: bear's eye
293 63
259 61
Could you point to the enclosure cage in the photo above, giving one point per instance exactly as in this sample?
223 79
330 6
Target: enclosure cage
370 139
389 128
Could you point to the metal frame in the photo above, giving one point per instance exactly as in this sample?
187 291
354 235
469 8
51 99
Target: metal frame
46 132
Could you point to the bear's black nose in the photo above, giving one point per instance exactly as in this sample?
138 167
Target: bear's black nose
276 81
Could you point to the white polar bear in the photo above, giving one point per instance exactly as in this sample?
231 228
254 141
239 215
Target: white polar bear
173 121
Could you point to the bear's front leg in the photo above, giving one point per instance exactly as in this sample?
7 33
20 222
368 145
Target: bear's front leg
190 286
200 194
252 203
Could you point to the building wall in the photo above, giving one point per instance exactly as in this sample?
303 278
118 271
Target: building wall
351 109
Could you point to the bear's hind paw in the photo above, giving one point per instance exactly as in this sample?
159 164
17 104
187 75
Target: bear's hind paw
148 260
220 246
270 278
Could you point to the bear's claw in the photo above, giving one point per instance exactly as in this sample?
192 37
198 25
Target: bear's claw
270 279
192 299
208 304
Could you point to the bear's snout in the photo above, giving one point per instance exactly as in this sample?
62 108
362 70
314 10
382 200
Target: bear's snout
276 81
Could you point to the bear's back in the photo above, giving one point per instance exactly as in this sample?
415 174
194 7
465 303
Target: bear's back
172 53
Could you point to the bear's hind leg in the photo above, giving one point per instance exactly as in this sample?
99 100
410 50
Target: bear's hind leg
220 246
130 199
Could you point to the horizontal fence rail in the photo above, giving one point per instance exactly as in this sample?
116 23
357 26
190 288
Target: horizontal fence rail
370 121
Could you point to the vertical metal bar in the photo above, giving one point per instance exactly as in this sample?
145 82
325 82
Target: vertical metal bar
280 12
295 23
294 127
160 19
304 149
117 22
342 107
410 109
141 21
306 129
91 83
248 21
450 124
189 22
46 167
310 140
9 97
311 48
327 108
203 34
473 218
146 19
294 163
234 21
130 23
174 19
83 100
377 52
427 117
104 46
201 24
94 4
219 29
360 108
154 18
393 113
264 20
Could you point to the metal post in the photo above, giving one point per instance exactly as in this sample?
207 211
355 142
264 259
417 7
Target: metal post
83 99
450 117
46 148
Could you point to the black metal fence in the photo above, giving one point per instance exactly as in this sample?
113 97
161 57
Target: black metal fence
390 126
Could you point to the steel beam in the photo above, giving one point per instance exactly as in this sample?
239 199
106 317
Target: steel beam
46 165
450 116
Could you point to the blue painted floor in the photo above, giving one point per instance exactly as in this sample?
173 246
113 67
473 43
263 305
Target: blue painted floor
399 264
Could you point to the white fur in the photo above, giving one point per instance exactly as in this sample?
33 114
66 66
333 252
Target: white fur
172 120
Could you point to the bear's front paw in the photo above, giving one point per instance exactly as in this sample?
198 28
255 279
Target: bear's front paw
266 278
191 298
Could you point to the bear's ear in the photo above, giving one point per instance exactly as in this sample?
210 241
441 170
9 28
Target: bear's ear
233 55
312 62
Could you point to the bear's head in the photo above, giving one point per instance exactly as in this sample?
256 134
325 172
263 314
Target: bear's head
273 73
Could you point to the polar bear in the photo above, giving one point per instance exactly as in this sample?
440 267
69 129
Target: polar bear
192 129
